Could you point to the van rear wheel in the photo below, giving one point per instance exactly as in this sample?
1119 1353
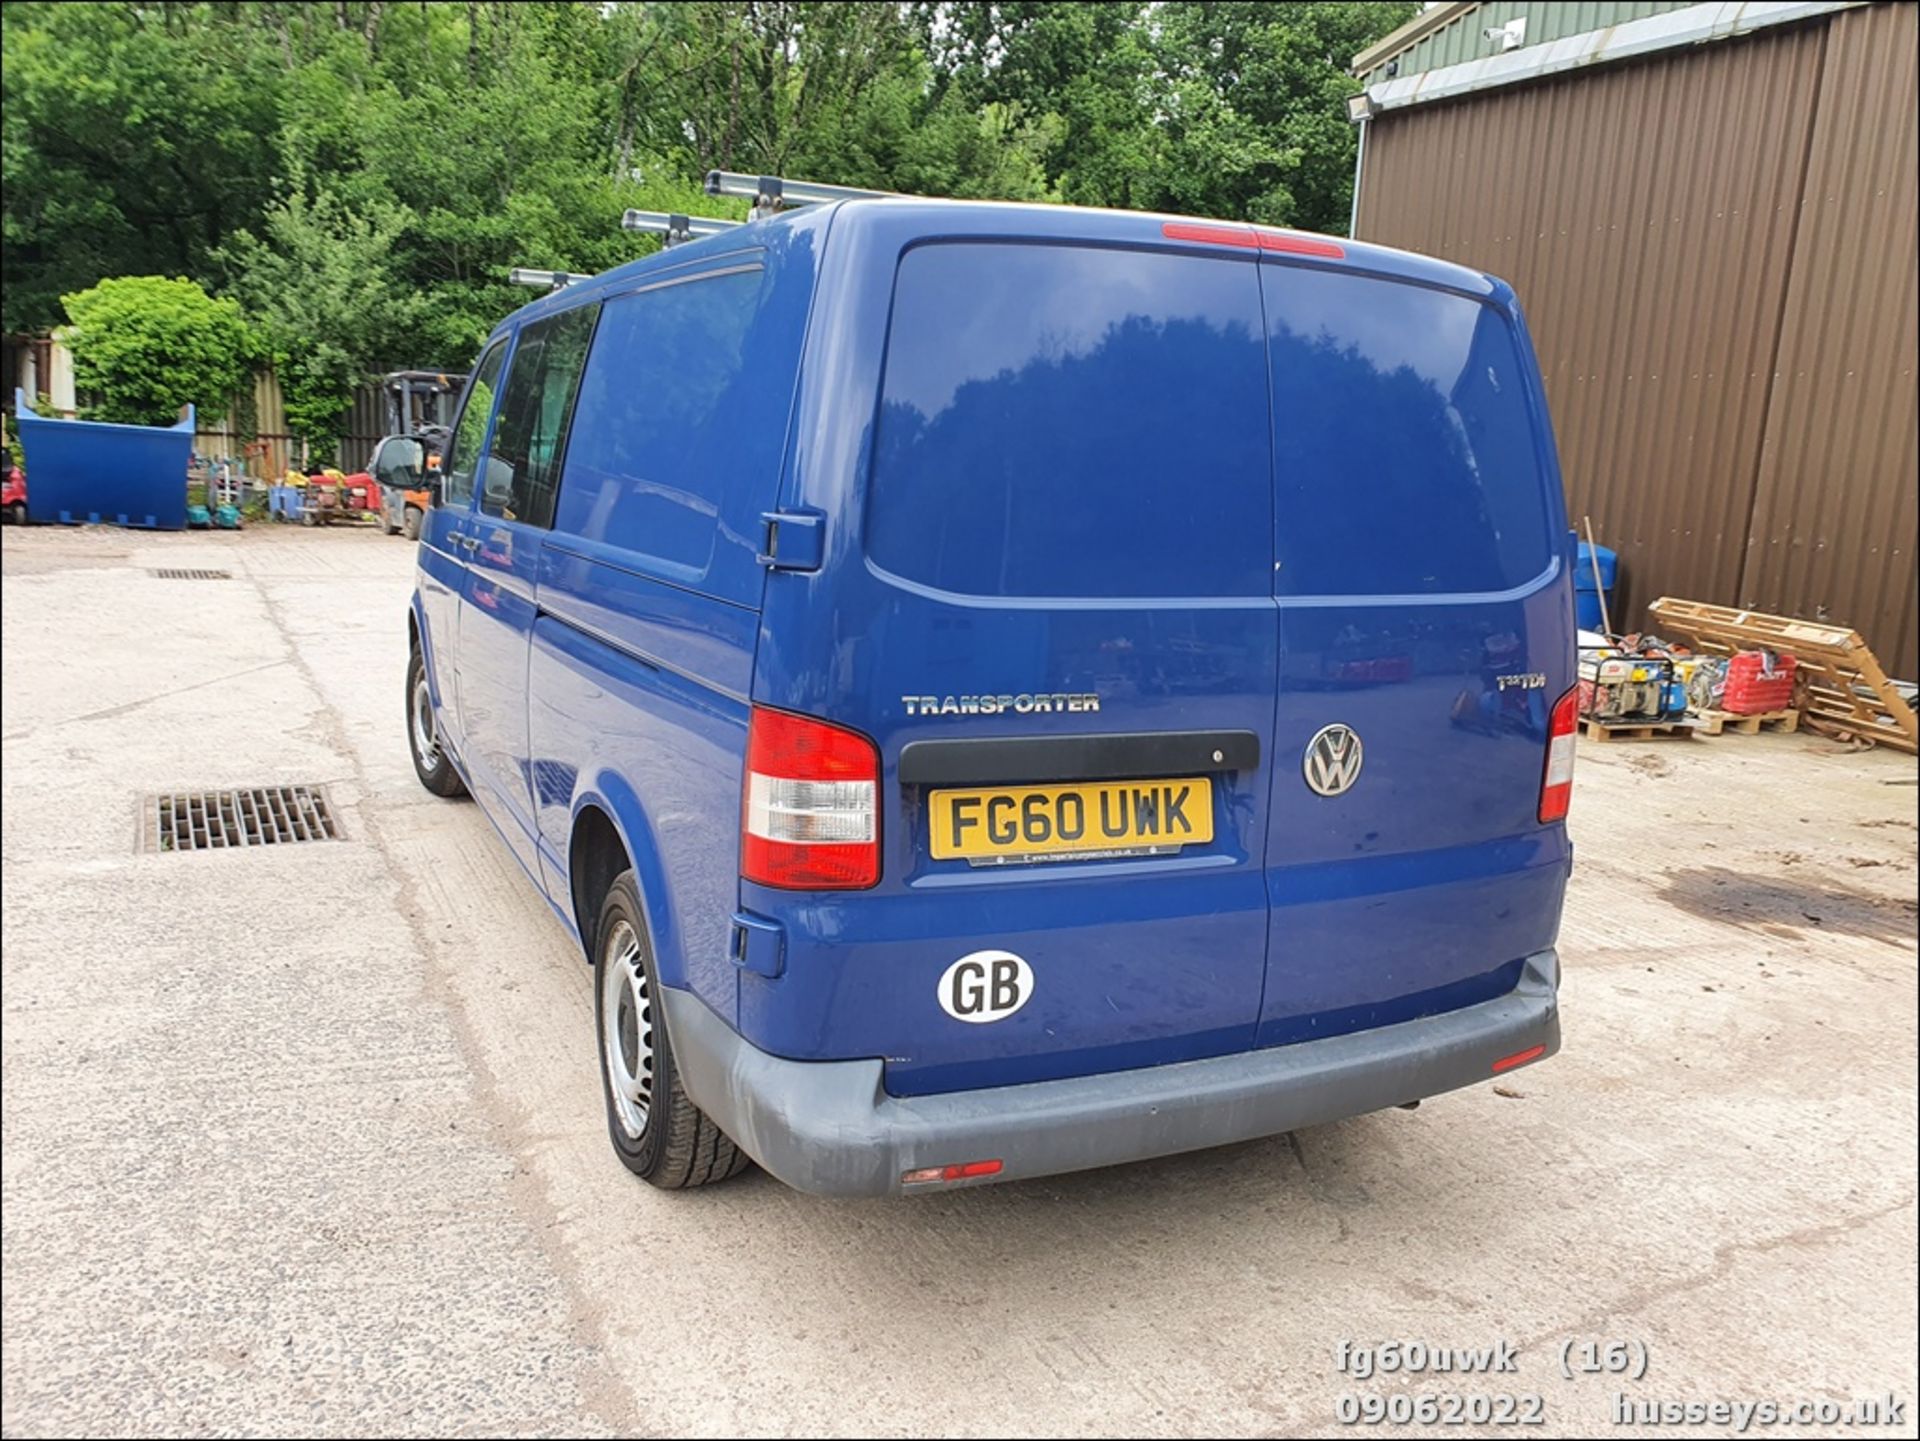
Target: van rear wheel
657 1133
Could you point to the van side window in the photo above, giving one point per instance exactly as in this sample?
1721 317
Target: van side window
1406 458
673 414
472 427
536 409
1068 421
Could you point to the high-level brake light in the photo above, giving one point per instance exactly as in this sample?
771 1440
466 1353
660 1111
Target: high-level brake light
1253 237
810 817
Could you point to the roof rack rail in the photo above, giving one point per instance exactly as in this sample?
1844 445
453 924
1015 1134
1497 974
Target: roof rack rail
773 193
544 279
676 229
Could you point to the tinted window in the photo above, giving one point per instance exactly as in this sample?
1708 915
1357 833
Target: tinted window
523 463
670 414
1404 448
1064 421
472 428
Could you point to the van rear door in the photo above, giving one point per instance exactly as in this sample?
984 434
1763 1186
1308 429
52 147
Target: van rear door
1425 633
1046 596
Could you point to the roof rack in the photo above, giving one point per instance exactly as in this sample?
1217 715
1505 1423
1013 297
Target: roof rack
772 194
676 229
545 279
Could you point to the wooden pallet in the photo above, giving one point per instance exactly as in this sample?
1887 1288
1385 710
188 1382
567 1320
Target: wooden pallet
1840 688
1722 722
1598 730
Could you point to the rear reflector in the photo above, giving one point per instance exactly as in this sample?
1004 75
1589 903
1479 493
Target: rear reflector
809 814
1556 781
1246 237
1519 1058
967 1171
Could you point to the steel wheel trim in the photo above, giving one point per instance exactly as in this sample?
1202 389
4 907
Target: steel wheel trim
626 1021
425 743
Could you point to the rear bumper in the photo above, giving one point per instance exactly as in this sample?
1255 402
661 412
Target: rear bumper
829 1127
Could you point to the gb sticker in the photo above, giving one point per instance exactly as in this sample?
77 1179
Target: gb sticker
985 986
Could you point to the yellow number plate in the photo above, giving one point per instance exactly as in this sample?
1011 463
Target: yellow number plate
1012 821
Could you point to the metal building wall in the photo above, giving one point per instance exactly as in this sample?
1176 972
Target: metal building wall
366 423
270 450
1835 513
1649 214
1465 37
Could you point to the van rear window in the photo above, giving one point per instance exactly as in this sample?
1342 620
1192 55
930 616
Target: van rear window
1069 421
1406 458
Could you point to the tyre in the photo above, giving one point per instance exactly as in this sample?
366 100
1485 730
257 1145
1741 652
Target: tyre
657 1133
410 527
17 513
430 760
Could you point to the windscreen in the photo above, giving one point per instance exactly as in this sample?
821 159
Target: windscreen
1069 421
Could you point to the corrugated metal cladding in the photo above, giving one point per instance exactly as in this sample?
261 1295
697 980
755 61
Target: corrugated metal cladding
272 448
366 423
1715 249
1836 514
1465 38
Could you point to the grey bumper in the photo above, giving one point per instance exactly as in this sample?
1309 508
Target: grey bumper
829 1127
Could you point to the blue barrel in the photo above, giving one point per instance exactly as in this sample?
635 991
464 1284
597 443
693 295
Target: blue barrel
1586 599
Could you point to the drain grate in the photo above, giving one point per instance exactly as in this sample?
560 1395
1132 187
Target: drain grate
193 575
260 816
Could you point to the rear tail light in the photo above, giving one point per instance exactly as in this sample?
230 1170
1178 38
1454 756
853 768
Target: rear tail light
810 811
1556 784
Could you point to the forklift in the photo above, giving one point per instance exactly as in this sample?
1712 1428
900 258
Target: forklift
419 414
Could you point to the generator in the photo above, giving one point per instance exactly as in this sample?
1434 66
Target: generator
1620 687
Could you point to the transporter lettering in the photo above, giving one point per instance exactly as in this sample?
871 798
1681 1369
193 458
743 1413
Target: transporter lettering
1038 704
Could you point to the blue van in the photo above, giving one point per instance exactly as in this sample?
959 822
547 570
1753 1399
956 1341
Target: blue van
998 690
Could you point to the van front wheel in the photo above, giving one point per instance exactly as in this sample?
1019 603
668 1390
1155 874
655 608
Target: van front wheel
430 760
657 1133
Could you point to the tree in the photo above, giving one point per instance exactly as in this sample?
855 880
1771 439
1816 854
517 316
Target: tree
1256 95
393 153
1086 65
129 145
145 346
321 283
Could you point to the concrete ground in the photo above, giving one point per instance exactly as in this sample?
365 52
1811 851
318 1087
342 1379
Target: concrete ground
309 1140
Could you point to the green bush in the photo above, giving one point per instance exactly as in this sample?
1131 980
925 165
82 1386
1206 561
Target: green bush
143 346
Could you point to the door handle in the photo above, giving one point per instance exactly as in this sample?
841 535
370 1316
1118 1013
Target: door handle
469 543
